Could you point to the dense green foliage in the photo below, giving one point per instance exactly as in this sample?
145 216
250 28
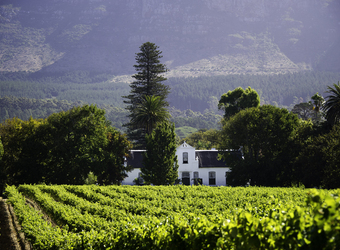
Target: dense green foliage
1 150
178 217
203 139
148 82
237 100
160 160
304 110
332 105
184 131
150 112
265 136
2 167
196 120
318 162
63 148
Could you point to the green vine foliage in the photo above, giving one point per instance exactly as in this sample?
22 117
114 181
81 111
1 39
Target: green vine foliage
178 217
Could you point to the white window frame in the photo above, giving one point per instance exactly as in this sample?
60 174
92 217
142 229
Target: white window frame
185 158
212 176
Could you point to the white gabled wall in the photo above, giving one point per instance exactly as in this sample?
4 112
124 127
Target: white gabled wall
190 167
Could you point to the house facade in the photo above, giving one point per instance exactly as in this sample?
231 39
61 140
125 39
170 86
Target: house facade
195 167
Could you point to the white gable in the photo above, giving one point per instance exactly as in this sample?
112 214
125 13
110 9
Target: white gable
185 145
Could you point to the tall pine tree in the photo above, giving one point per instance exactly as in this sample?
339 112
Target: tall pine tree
148 82
160 160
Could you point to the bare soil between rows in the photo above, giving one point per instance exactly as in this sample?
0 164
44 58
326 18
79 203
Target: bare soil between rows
11 237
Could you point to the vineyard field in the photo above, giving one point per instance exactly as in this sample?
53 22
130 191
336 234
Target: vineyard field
176 217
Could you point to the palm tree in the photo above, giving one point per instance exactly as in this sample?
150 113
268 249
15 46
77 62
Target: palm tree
149 113
317 104
332 105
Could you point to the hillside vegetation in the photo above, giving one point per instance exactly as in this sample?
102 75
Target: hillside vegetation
195 93
24 108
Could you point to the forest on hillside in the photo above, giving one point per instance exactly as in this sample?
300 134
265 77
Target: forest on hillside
194 93
24 108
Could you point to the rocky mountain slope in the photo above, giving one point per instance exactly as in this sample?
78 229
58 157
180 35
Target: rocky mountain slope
197 37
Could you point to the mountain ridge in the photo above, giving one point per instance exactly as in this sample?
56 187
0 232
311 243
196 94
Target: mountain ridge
103 36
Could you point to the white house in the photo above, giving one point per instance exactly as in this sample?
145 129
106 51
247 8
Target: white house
195 166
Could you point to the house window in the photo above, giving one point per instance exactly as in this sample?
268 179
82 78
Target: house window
212 178
185 157
185 178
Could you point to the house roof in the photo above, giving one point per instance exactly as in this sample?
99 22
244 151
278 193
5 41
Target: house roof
209 158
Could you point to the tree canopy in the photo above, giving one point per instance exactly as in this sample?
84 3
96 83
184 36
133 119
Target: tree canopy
264 135
304 110
2 168
203 139
1 149
150 112
63 148
318 160
237 100
332 105
148 82
160 160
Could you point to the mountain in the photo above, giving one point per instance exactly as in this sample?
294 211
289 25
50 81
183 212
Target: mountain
197 37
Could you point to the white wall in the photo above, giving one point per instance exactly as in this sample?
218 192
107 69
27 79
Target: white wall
191 167
131 176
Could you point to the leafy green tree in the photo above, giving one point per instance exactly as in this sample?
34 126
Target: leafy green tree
264 135
75 141
1 149
317 101
148 82
160 160
113 170
64 148
2 170
319 160
237 100
23 150
331 174
304 110
332 105
203 139
150 112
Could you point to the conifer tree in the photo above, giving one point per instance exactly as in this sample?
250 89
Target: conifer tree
148 82
160 160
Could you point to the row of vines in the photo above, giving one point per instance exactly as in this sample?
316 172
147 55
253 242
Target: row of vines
176 217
